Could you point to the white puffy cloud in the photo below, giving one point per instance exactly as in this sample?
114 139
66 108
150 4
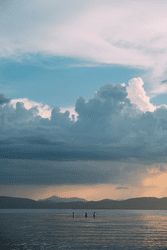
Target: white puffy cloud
137 95
43 110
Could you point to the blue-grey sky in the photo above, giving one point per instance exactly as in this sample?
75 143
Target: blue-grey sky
83 98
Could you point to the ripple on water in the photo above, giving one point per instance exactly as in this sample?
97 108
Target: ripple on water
107 231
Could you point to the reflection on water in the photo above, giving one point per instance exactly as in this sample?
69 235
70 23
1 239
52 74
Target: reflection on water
57 229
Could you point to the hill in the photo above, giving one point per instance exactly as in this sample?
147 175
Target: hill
143 203
59 199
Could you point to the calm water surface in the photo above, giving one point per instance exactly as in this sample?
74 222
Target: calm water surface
56 229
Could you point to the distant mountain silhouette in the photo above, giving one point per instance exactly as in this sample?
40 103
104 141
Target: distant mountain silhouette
59 199
14 202
144 203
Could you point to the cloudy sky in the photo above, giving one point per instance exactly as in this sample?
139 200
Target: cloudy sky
83 98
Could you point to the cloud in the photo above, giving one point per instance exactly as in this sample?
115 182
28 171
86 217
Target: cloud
112 141
43 110
27 172
109 127
138 96
4 99
72 30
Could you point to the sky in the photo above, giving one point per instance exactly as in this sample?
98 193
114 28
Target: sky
83 99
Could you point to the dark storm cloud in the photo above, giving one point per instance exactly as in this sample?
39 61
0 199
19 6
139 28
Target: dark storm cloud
108 127
15 172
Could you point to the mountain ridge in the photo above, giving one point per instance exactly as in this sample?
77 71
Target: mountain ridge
140 203
59 199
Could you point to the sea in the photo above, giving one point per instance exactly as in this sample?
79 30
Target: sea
40 229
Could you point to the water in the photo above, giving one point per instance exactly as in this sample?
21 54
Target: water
56 229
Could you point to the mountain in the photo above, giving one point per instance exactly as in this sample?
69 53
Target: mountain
14 202
143 203
59 199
